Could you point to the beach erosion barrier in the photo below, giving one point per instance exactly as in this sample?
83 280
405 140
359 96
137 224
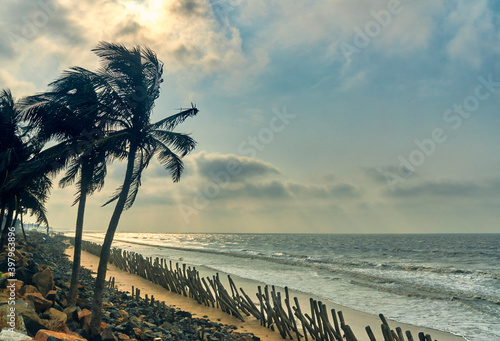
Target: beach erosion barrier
272 309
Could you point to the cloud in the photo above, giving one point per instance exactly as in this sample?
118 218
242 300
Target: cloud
441 189
389 175
235 168
56 34
474 32
330 191
448 189
271 190
190 8
17 86
296 24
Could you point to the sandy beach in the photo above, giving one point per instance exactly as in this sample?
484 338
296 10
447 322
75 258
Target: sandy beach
356 319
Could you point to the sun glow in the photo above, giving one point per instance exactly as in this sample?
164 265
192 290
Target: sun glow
148 11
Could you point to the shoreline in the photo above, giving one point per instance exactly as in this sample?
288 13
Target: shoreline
124 282
356 319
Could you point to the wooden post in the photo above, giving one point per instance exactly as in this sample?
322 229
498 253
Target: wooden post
386 331
370 333
384 321
400 334
336 324
349 333
298 313
261 303
341 318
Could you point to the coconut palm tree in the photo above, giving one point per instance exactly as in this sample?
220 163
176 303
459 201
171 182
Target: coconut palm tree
17 149
133 78
71 114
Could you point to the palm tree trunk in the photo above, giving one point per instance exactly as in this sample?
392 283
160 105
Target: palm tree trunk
95 323
14 221
8 223
2 216
86 178
22 225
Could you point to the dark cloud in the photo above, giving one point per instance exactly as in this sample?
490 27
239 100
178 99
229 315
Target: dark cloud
344 191
232 168
448 189
272 190
341 191
130 28
190 8
388 174
186 54
22 22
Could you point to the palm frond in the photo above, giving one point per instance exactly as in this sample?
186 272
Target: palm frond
180 143
171 122
171 161
36 208
69 178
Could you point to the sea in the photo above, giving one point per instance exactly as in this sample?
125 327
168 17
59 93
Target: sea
449 282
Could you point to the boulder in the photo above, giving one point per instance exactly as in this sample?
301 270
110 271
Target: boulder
19 284
54 325
107 305
107 335
27 289
44 335
7 335
44 281
134 322
57 315
32 325
51 295
10 318
123 313
25 274
32 322
56 320
139 334
39 302
84 317
30 318
71 313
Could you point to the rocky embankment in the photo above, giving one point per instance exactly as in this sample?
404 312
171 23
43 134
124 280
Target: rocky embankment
35 305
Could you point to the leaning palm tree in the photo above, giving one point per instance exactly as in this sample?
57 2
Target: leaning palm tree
17 149
133 78
71 115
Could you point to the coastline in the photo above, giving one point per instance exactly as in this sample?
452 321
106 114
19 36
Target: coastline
356 319
124 282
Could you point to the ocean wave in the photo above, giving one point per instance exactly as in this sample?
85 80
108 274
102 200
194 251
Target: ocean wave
351 269
334 265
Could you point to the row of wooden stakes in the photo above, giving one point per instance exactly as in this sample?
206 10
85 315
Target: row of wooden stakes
272 310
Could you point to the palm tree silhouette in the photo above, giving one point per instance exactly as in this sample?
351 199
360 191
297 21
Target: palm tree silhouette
17 183
131 81
71 114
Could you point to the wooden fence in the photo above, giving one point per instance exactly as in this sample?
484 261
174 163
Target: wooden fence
271 309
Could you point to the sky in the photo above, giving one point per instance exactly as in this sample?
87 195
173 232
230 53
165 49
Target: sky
324 116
